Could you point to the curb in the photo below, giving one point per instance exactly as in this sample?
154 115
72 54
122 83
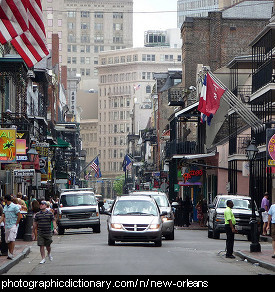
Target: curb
5 267
254 260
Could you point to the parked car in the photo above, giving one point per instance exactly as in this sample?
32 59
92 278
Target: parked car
133 219
164 205
242 212
78 209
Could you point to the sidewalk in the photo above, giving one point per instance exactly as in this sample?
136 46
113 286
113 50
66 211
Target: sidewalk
262 258
21 250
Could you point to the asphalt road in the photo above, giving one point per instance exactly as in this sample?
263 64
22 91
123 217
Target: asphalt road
81 252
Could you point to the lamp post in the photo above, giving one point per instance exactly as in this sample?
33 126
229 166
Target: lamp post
251 152
32 154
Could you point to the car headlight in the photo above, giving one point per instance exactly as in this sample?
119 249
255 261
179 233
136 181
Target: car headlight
154 226
116 226
167 217
62 216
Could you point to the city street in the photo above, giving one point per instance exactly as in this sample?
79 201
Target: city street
80 252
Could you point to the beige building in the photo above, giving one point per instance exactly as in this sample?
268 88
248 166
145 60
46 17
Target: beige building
125 98
85 29
89 137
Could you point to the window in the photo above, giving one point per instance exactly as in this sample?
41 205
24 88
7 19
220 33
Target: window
85 14
84 25
117 15
98 14
71 14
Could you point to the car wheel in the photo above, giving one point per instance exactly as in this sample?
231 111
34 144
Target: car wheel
216 234
96 229
158 243
110 241
61 230
210 232
170 236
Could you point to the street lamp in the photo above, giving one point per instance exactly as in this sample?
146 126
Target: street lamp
251 152
32 154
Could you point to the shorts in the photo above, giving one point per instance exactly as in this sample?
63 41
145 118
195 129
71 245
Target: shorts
44 239
273 231
11 233
265 217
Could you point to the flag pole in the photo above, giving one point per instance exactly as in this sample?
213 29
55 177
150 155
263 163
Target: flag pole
88 165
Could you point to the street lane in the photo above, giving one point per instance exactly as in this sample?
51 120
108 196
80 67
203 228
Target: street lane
81 252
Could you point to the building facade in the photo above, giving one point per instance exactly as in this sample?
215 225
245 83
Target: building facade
86 28
125 98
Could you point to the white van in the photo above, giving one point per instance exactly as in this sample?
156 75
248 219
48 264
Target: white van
78 209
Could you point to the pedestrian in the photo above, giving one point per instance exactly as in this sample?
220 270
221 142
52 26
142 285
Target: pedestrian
186 209
230 230
35 205
11 217
264 209
271 225
199 212
3 244
42 223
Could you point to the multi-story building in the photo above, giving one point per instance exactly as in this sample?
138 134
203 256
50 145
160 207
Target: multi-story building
85 29
125 98
194 8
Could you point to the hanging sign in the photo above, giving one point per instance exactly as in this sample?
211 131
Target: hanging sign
270 144
8 145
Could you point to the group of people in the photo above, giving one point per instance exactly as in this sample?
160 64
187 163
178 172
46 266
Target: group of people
184 212
44 224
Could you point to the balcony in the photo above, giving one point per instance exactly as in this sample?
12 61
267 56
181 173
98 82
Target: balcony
180 147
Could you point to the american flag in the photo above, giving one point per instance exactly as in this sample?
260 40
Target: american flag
22 24
32 45
95 167
13 19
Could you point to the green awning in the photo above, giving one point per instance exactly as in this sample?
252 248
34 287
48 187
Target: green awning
61 143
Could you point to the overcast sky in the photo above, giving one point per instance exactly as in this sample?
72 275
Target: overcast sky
153 21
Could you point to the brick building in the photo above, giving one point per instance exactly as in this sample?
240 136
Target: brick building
215 40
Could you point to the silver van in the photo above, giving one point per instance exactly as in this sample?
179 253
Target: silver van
164 206
78 209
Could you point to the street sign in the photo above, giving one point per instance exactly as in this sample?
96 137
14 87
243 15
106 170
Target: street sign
23 172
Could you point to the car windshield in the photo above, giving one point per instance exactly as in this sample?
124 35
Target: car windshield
135 207
238 203
161 200
79 199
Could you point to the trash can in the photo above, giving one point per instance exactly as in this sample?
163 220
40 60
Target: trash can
22 226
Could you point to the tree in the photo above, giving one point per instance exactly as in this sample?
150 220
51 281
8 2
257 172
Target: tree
118 184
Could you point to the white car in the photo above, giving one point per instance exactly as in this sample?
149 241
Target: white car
78 209
242 212
135 218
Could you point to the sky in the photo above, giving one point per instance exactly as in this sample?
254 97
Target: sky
153 21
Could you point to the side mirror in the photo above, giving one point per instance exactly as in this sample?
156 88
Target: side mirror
107 213
211 206
164 213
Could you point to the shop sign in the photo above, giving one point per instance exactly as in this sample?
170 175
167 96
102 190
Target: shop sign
191 176
8 145
270 144
23 172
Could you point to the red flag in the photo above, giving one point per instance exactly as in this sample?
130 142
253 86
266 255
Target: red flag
32 45
13 19
213 95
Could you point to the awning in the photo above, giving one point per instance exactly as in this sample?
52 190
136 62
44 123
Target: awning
193 156
61 143
184 111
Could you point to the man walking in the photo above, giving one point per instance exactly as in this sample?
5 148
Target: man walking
42 222
11 216
271 221
230 230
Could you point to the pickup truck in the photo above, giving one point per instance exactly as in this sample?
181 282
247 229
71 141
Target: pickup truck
241 210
